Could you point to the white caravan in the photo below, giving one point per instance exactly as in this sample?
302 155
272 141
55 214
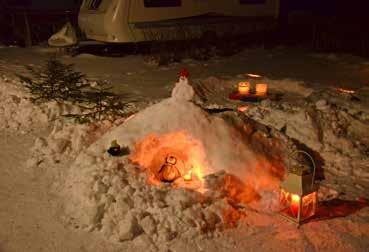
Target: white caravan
124 21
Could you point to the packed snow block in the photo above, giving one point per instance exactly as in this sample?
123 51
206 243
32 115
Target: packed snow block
144 243
148 225
182 198
58 145
17 112
129 227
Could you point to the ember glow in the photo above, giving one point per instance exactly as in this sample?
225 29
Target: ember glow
151 152
346 91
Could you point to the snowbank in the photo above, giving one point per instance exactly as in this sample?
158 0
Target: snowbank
16 110
332 125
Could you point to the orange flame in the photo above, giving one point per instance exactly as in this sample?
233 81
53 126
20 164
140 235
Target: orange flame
188 176
295 204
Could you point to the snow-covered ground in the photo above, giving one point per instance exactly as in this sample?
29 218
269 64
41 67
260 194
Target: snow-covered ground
60 191
133 75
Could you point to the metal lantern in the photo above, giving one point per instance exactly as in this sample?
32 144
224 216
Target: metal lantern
298 196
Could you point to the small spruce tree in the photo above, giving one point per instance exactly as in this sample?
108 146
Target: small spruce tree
54 81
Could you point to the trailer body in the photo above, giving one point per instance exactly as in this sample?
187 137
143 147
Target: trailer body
125 21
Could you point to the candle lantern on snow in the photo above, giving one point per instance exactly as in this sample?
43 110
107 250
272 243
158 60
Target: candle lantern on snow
244 88
298 196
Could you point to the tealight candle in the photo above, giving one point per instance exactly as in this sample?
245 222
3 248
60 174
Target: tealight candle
261 89
244 88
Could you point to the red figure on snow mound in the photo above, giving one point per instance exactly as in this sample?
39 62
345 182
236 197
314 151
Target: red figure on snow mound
184 73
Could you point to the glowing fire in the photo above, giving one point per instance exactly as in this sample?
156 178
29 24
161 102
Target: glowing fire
151 152
188 176
346 91
295 204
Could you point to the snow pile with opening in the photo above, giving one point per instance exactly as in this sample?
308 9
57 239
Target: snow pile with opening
115 196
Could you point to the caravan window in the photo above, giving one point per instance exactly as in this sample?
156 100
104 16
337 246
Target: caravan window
162 3
252 1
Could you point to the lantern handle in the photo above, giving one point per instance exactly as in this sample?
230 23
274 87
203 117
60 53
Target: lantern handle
312 161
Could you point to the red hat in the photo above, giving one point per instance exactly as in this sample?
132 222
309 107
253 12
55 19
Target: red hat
184 73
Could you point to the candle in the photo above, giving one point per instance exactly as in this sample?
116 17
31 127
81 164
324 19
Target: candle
295 204
188 176
244 88
261 89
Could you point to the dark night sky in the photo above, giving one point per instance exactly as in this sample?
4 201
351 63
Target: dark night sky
45 4
351 7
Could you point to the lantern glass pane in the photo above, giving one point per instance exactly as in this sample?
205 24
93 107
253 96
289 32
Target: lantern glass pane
308 205
290 204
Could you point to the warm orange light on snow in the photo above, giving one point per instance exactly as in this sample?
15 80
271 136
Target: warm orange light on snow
253 75
129 117
261 89
346 91
151 154
244 88
242 108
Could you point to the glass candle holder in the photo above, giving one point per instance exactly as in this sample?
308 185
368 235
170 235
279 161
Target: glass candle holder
261 89
244 88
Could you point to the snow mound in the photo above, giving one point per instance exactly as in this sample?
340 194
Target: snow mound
110 194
